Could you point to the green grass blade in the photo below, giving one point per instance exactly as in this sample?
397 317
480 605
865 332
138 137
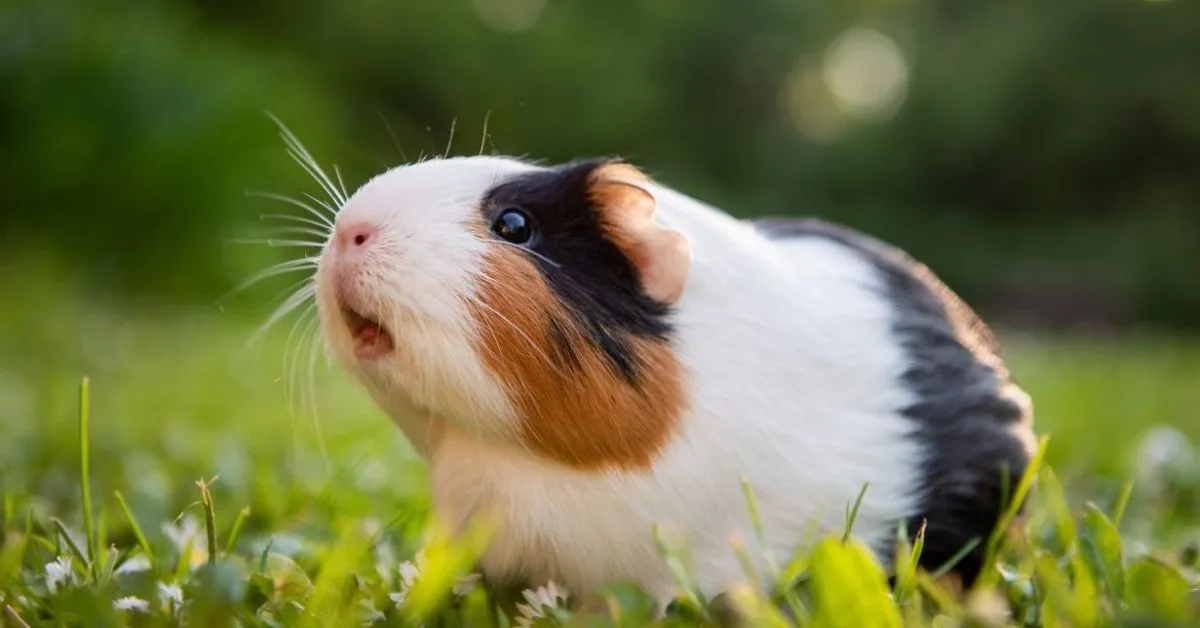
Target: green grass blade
995 541
111 559
849 588
745 561
137 530
75 550
45 544
756 519
89 524
9 505
235 532
956 558
266 553
1103 551
12 555
945 601
852 513
102 547
1054 499
1122 502
1158 589
210 518
185 561
11 615
691 592
908 559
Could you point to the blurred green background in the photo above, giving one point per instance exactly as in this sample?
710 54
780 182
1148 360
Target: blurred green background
1042 157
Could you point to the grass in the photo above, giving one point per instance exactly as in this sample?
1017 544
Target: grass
175 483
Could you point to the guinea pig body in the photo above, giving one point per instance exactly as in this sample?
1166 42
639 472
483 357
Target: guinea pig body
586 354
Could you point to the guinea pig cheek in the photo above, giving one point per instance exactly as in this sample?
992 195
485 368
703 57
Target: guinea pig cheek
573 406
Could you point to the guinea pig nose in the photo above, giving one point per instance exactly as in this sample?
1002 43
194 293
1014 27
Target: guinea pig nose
355 235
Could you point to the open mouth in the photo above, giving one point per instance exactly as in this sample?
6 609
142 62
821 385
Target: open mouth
371 338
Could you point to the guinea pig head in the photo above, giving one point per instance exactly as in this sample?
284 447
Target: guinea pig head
528 305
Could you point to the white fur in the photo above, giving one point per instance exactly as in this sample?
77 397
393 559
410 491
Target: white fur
790 372
417 279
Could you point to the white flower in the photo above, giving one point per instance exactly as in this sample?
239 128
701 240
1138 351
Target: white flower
369 614
371 475
385 557
133 604
467 584
187 533
288 545
170 593
59 572
1162 449
136 564
410 570
544 598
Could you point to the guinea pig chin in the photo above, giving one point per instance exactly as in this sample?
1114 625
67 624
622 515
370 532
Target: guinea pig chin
401 352
350 321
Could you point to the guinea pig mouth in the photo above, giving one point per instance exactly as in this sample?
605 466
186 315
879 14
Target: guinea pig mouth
371 339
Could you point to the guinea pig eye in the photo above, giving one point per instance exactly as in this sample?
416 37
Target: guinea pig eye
514 225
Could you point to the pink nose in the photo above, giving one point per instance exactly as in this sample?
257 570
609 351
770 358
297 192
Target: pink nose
355 235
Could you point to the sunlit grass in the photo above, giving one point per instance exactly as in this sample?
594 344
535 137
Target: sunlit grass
199 474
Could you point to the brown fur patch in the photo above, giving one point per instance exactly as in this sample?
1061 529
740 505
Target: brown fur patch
576 409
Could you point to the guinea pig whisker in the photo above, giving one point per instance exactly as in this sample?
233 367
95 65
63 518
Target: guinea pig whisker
341 183
325 226
433 149
324 220
289 305
392 134
299 153
294 229
291 362
531 252
329 208
281 242
290 348
274 270
313 351
319 175
281 298
292 289
450 142
483 140
295 289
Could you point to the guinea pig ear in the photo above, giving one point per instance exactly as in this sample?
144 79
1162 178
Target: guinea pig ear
662 256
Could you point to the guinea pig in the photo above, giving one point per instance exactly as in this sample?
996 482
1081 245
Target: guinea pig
586 353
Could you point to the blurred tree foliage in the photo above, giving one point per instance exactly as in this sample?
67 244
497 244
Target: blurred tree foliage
1045 156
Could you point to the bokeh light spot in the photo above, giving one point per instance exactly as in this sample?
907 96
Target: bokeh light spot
866 73
809 104
510 16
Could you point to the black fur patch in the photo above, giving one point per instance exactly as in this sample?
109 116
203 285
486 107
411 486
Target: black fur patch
589 274
962 415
